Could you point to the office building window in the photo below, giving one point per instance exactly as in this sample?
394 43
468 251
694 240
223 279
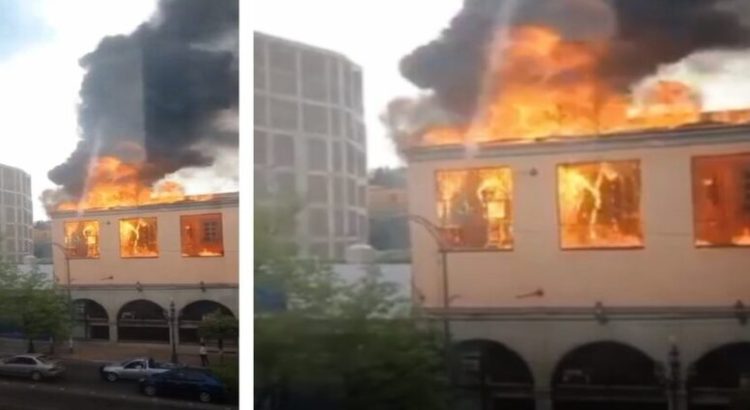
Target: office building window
283 150
317 189
284 114
314 119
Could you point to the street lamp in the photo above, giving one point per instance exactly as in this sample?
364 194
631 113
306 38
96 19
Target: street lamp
66 254
171 319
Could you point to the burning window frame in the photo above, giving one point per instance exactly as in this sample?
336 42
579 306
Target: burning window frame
732 167
562 225
71 250
154 223
506 227
200 219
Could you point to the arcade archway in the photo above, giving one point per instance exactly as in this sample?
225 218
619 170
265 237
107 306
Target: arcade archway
143 321
192 314
714 380
607 375
91 320
490 376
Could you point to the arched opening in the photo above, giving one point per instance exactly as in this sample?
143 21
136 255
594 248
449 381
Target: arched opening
491 376
607 375
191 316
91 320
142 321
715 379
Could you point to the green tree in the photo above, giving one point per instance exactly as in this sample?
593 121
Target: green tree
220 327
30 302
355 344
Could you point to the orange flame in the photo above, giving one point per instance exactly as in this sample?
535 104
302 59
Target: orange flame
113 183
550 87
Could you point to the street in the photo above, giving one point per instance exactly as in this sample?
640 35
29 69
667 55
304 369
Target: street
83 389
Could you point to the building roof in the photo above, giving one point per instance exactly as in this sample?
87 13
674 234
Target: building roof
309 47
231 199
715 134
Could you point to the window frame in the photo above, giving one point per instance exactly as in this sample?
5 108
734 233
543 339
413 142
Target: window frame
119 236
452 249
220 217
693 196
99 243
558 209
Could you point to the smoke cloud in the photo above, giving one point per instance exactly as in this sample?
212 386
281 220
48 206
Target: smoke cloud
160 94
643 34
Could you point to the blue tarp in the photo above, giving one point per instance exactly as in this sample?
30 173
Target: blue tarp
268 299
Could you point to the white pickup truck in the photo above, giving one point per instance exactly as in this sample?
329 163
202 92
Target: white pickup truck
134 369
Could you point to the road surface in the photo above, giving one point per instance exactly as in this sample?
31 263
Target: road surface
82 389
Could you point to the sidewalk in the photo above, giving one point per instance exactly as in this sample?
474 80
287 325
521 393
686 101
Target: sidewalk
108 352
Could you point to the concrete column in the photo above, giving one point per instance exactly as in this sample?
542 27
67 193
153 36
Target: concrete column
113 332
682 400
176 333
543 399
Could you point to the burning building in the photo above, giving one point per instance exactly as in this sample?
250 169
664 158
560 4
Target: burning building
594 214
158 107
124 264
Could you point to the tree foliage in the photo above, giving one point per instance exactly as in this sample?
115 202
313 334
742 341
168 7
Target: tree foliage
219 326
339 344
388 177
30 302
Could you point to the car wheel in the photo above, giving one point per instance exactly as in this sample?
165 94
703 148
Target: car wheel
204 397
149 391
111 377
36 376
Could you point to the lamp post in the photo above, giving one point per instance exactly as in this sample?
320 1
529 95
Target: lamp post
66 254
172 330
434 232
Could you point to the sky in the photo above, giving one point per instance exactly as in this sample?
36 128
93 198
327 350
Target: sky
373 34
41 42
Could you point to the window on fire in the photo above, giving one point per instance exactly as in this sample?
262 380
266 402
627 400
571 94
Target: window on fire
138 238
721 197
202 235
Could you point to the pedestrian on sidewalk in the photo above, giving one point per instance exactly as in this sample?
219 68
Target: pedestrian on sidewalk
204 355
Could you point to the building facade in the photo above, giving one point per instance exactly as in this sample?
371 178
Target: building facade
601 273
125 266
310 142
16 218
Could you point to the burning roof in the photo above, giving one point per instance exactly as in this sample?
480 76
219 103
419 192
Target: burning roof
154 102
508 70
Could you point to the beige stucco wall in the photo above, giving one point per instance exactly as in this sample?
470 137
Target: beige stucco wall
668 271
169 268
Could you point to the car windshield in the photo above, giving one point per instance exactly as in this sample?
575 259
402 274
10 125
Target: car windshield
44 359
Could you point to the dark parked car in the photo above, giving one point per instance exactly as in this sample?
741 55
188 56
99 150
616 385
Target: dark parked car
191 383
33 366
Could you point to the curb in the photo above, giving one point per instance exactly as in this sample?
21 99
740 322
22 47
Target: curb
51 388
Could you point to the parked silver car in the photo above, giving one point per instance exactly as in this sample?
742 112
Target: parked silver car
134 369
33 366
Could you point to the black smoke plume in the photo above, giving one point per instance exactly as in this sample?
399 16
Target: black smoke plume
157 95
643 34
